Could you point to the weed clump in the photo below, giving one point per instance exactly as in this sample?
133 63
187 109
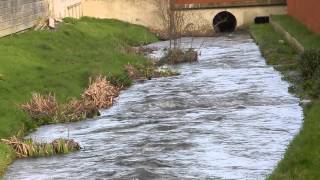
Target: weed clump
309 63
29 148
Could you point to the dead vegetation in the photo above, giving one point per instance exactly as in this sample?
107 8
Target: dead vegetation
100 94
29 148
42 107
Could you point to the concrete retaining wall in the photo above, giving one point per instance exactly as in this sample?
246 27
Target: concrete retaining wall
17 15
146 13
142 12
293 42
203 18
65 8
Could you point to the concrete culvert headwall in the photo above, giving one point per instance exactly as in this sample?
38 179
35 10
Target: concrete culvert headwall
224 22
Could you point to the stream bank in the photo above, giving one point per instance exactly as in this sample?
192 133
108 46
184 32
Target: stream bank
227 116
61 62
301 160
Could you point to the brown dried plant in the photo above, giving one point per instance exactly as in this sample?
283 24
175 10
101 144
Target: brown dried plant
42 106
100 93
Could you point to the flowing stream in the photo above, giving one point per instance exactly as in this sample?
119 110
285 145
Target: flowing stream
229 116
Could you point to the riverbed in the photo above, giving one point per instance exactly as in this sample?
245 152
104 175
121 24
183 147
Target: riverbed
228 116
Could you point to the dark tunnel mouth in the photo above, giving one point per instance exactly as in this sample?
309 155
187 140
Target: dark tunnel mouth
224 22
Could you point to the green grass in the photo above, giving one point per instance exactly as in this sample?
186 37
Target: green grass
60 62
6 157
274 49
307 38
302 158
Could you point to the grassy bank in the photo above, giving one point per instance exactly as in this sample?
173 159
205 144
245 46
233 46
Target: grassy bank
302 158
60 62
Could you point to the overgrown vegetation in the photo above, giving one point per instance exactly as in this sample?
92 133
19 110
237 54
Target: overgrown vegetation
302 158
61 62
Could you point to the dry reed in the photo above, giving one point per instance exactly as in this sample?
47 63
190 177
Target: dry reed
42 106
100 94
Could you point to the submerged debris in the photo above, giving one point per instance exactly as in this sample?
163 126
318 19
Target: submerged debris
29 148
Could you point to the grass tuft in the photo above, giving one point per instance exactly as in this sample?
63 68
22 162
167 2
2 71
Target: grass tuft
29 148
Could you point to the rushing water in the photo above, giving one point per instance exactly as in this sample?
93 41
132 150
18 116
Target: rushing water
229 116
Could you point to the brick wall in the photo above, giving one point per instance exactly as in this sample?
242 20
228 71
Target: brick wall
198 4
230 1
17 15
307 12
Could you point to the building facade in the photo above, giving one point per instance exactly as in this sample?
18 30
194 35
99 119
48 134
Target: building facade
307 12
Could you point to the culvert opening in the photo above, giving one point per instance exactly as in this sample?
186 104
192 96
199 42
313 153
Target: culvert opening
224 22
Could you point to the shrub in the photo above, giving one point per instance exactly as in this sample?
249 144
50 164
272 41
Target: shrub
309 63
309 66
316 84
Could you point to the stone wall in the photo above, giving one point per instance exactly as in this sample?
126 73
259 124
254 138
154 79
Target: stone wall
17 15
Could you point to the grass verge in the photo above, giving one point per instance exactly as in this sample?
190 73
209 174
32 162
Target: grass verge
61 62
302 158
307 38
